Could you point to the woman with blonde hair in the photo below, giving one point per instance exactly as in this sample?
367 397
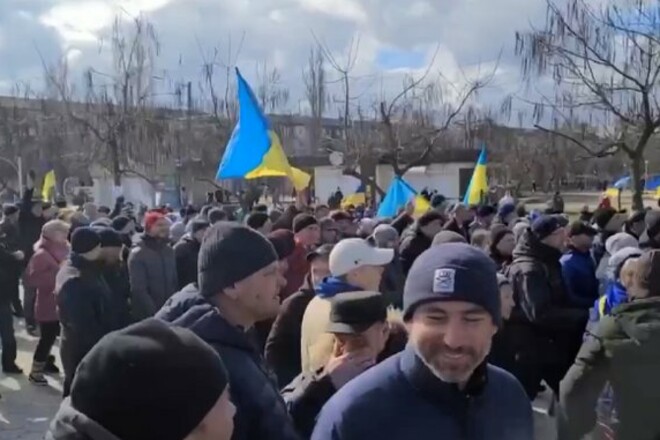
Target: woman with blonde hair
51 251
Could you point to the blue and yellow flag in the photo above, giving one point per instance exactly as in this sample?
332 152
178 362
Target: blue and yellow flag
254 149
359 197
398 194
478 188
49 185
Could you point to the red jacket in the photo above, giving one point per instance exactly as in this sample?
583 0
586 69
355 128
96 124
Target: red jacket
298 269
42 270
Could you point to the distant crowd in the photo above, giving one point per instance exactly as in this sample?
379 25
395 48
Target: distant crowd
331 324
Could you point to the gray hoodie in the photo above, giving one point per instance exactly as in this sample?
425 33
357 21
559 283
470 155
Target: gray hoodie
70 424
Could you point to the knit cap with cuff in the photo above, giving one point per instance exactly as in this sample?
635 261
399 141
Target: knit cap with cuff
453 272
230 253
149 381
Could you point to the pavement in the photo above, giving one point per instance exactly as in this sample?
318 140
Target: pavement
26 409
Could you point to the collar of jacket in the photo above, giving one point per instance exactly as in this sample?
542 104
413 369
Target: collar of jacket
332 286
153 242
530 246
436 390
84 265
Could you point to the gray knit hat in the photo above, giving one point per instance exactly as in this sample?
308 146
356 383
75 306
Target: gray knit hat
230 253
453 272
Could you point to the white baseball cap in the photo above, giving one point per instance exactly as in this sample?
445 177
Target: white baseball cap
352 253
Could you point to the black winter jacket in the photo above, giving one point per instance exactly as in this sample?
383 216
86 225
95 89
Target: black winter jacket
83 302
411 248
261 413
186 252
29 225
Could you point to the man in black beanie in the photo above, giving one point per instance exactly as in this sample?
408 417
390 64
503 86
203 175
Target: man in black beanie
115 274
186 253
82 301
451 306
12 260
238 286
549 329
149 381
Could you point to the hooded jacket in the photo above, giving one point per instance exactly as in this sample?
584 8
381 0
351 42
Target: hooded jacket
401 399
624 350
42 271
539 290
152 270
186 252
411 248
579 274
71 424
260 410
282 349
84 311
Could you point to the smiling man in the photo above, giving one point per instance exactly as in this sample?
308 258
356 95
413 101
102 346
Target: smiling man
441 384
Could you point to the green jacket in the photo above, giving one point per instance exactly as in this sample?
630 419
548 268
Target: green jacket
624 350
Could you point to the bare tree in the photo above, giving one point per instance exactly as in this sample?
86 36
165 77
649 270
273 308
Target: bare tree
270 91
117 105
604 60
315 92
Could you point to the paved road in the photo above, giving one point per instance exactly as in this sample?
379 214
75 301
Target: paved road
25 409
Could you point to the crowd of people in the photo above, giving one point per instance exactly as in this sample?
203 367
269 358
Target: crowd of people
334 325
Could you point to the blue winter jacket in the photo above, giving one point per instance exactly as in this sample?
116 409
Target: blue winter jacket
579 274
261 413
400 399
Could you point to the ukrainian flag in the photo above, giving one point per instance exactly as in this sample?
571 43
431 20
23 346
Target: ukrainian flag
359 197
398 194
254 149
49 185
478 188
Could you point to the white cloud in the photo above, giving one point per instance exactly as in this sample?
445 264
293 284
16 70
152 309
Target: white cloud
344 9
278 33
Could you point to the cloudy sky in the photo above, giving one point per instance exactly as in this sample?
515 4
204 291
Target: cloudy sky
396 37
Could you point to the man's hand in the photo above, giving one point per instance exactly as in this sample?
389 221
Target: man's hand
19 255
345 367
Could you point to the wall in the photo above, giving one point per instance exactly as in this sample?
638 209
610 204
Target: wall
444 177
134 189
328 178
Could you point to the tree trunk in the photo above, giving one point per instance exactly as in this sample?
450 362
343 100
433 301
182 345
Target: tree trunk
636 161
114 153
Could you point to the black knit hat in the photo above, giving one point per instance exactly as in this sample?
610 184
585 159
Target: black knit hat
283 242
546 225
109 238
217 215
257 220
120 222
84 239
9 209
453 272
429 217
302 221
149 381
199 225
603 216
230 253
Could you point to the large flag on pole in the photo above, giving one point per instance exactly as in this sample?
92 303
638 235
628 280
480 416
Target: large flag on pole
478 188
254 149
398 194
